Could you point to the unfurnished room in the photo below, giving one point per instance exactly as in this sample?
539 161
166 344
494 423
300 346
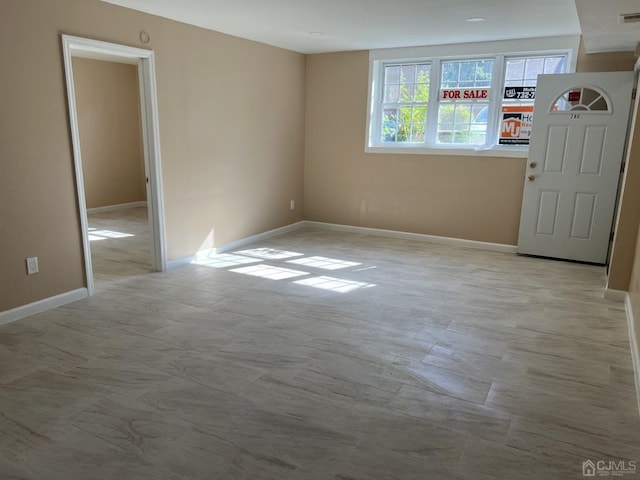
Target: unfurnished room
310 240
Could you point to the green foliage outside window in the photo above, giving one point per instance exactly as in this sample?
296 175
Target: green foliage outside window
406 94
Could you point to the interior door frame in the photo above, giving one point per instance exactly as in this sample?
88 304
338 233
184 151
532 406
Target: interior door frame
145 60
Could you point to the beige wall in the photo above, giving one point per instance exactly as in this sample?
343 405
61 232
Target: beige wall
605 62
633 261
231 131
634 289
462 196
108 106
626 229
471 197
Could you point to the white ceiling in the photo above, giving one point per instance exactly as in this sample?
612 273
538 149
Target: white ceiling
600 26
369 24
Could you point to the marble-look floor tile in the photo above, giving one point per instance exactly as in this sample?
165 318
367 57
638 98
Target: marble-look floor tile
492 461
49 391
476 420
615 397
565 445
116 377
395 430
291 443
299 400
25 429
489 366
131 426
14 365
87 457
196 403
441 362
202 455
548 407
443 381
371 461
215 370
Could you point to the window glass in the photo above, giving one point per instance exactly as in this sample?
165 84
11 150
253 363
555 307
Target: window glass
463 110
520 81
405 103
523 72
581 98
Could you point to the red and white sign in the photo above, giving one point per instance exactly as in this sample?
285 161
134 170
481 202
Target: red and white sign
464 94
574 96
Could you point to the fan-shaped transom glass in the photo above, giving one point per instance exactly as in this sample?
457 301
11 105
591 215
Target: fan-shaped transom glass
581 99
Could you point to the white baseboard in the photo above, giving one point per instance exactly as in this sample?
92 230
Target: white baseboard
615 295
633 343
235 245
42 305
113 208
421 237
460 242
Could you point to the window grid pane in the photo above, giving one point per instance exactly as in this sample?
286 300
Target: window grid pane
404 107
523 72
405 91
467 73
464 123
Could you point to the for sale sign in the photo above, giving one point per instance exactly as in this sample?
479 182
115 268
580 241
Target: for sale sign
515 128
520 93
464 94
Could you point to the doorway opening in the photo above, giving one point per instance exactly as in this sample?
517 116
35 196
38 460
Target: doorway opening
124 222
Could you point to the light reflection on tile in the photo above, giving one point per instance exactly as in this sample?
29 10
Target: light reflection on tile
270 272
334 284
224 260
324 263
269 253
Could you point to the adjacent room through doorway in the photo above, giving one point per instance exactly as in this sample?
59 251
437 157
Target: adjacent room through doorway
109 120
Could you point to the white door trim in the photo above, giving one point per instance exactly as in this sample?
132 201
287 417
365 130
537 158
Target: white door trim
85 47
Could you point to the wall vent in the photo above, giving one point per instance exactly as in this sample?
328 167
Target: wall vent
629 18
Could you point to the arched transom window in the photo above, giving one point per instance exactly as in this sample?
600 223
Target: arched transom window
583 99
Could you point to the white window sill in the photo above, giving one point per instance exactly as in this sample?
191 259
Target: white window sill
490 151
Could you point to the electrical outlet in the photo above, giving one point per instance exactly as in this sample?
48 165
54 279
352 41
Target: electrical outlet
292 205
32 265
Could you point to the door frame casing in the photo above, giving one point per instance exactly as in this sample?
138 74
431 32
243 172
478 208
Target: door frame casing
145 60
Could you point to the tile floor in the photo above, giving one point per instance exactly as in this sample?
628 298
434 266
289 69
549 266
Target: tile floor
120 245
350 358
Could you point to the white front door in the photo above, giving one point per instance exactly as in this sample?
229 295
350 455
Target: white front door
575 155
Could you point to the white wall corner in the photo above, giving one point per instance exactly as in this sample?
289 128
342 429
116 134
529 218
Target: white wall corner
42 305
235 245
615 295
633 343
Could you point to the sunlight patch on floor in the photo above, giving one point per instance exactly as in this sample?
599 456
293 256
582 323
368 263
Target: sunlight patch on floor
324 263
269 253
224 260
334 284
97 234
270 272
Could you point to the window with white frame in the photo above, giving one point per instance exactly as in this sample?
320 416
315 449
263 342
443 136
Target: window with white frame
405 102
465 88
456 102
